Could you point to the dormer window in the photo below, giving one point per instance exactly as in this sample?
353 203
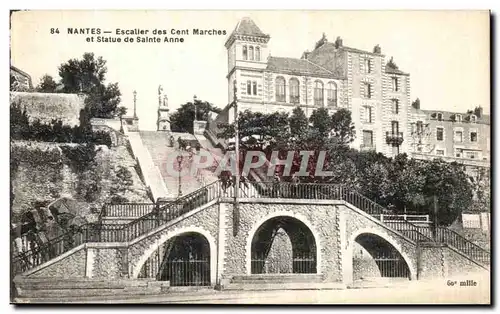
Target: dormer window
245 53
473 118
440 116
458 118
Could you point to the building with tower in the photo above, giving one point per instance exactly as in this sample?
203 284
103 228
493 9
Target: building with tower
332 76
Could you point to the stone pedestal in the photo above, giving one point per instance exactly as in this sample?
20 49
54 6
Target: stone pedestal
199 127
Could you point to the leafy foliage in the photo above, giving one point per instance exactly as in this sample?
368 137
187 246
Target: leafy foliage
47 85
182 119
403 184
87 76
22 129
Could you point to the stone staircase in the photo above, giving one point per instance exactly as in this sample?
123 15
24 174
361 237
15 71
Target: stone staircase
279 282
164 156
150 173
35 290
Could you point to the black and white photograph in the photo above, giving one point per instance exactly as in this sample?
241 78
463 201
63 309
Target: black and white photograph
250 157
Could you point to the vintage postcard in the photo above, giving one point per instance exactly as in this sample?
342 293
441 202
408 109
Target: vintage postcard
250 157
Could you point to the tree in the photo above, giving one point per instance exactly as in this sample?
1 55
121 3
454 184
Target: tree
342 126
46 85
121 111
321 122
182 119
298 123
87 76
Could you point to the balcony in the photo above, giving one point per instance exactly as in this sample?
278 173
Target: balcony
367 147
394 138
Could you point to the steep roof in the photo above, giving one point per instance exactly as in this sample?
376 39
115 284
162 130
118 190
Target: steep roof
246 27
296 66
392 68
447 115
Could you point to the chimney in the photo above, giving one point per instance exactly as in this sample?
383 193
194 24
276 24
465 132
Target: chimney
416 104
377 49
478 111
338 42
305 55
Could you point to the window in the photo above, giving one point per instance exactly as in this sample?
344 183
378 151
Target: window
440 116
245 53
472 155
257 53
280 89
439 134
420 127
419 149
294 91
458 118
368 65
458 152
254 87
249 88
458 136
318 93
473 136
367 138
332 94
367 90
395 127
368 114
394 84
395 106
473 118
250 52
440 152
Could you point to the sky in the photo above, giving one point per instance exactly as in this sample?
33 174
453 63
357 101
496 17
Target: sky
445 52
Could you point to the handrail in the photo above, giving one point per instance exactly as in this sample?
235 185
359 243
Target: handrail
162 214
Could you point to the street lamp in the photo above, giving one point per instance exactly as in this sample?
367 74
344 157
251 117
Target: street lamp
236 213
179 162
195 108
135 100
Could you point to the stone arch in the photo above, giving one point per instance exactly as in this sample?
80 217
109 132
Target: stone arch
262 220
174 233
386 237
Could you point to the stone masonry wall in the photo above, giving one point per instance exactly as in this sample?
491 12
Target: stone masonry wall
322 219
72 266
206 219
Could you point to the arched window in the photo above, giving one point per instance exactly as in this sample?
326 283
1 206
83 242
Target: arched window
257 53
250 50
332 94
440 116
280 89
245 53
294 91
318 94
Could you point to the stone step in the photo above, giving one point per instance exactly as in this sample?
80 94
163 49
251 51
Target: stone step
278 278
283 286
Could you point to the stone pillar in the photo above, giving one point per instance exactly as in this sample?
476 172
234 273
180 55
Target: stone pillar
431 261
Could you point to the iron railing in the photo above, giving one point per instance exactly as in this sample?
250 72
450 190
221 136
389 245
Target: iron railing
460 243
162 214
127 209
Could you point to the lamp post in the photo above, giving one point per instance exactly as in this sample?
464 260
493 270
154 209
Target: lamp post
135 101
236 213
179 162
195 108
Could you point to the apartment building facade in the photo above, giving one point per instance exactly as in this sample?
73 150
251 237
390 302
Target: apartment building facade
330 76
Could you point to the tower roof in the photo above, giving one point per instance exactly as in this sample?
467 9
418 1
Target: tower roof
246 29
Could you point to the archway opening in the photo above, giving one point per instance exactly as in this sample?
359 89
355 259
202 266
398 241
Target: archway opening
183 260
283 245
374 257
